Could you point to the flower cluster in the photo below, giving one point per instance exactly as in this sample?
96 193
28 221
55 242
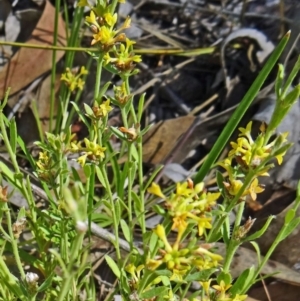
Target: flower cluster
121 95
102 110
45 166
73 79
188 205
91 150
218 292
251 156
180 260
113 42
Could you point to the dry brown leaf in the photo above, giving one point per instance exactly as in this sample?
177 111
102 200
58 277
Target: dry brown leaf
28 64
162 138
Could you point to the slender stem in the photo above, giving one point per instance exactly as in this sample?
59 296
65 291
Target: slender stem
115 221
98 77
14 242
130 184
233 202
53 72
141 218
66 285
233 244
65 114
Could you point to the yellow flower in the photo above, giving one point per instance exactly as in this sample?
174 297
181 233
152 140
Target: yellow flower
222 288
82 159
72 80
153 264
160 232
92 19
206 286
247 132
110 19
182 189
204 223
155 189
254 189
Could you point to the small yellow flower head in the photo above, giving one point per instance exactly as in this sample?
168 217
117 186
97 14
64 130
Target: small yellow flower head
156 190
121 95
153 264
72 80
206 286
222 288
91 19
160 232
110 19
254 189
182 189
204 223
102 110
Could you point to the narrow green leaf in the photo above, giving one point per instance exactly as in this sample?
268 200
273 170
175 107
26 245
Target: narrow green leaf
260 232
141 107
203 275
87 170
154 292
279 81
242 282
125 230
291 76
290 228
292 97
241 110
82 117
220 182
113 266
47 283
289 216
153 243
117 208
163 273
104 89
13 135
88 110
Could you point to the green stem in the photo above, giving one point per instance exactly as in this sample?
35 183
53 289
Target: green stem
14 242
266 257
141 218
233 244
231 205
66 285
98 77
53 72
65 114
115 221
130 184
